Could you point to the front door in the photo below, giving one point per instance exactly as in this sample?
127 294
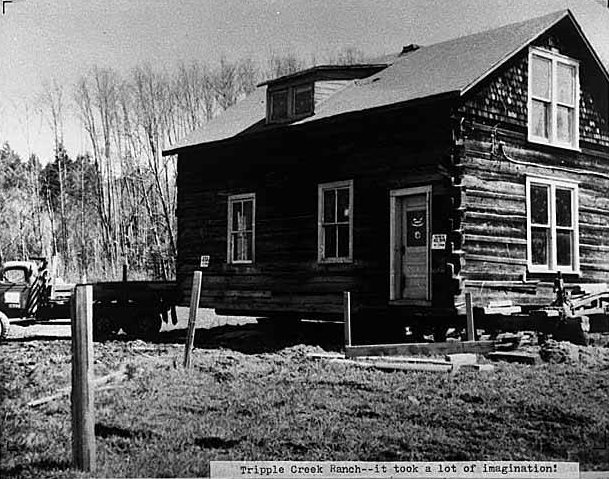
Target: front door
410 232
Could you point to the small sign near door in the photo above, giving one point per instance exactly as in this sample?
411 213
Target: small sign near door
416 229
438 241
204 261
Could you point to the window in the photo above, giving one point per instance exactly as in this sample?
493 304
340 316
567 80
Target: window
303 100
552 210
553 99
335 234
290 103
279 105
241 228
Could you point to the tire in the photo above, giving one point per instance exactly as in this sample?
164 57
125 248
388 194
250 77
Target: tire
143 326
103 328
5 326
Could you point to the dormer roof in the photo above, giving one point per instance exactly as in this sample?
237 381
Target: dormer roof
451 68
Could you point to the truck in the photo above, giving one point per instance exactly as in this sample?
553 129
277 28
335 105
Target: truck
29 289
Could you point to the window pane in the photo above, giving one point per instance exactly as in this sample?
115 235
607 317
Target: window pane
541 119
566 84
539 245
541 80
343 204
343 241
564 248
329 241
303 100
564 124
279 105
248 212
242 246
237 215
329 213
563 207
539 204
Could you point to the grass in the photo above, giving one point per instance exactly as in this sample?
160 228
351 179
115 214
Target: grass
281 405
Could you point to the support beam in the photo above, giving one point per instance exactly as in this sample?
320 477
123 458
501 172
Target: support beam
195 296
347 317
469 312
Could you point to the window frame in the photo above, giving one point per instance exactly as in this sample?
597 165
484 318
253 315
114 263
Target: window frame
229 243
321 188
555 59
286 92
553 185
290 91
308 87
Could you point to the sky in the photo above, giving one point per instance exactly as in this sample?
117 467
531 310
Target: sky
42 41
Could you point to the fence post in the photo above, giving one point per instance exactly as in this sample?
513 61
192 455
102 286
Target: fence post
469 311
347 317
195 295
83 411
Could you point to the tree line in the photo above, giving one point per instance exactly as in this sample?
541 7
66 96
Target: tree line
116 203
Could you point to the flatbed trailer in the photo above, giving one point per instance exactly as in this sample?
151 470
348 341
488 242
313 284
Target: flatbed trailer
138 308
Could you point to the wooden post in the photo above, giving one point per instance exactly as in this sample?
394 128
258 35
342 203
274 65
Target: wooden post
195 295
83 412
469 311
347 317
124 272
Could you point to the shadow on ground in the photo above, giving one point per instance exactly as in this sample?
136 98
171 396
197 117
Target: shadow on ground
256 338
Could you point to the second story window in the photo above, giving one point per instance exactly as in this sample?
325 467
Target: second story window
279 105
303 100
553 99
290 103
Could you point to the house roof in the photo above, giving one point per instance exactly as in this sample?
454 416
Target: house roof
353 71
451 67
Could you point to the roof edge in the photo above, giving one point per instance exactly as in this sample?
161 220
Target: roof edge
321 68
566 14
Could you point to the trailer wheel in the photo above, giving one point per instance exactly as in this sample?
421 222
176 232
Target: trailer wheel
5 325
103 328
144 326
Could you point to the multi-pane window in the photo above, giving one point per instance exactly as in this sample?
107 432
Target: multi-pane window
336 222
553 99
241 228
303 100
552 225
290 103
279 105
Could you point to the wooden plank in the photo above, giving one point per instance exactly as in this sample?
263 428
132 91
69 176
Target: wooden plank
480 347
347 317
83 413
192 317
469 312
515 357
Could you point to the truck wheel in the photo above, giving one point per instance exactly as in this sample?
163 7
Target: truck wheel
5 325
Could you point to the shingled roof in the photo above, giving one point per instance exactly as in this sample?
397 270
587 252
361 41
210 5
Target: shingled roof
452 67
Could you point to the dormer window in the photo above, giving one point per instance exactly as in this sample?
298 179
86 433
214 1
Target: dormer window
303 100
290 103
553 99
279 105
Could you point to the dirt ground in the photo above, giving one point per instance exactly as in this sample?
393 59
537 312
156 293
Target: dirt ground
60 328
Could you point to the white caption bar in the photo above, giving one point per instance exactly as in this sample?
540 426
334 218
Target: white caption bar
410 470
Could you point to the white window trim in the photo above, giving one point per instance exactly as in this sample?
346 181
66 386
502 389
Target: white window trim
229 229
320 231
555 58
553 184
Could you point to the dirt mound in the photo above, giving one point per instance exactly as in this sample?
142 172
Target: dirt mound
564 352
